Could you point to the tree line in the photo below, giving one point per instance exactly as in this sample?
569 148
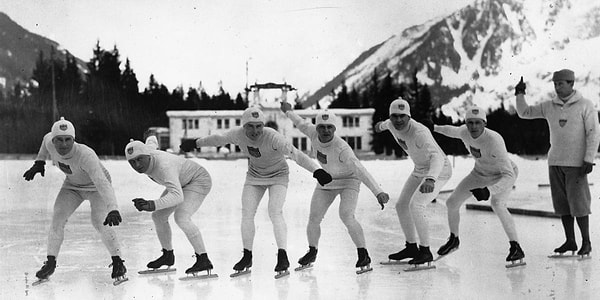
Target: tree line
103 102
522 137
107 108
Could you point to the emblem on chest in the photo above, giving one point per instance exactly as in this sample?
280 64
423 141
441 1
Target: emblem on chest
254 151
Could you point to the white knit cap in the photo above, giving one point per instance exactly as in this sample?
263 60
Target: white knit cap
475 112
253 114
135 149
63 127
400 107
326 117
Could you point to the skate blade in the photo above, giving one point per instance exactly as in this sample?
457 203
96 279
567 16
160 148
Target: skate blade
392 262
420 267
282 274
364 270
442 256
157 271
584 257
198 277
303 267
562 255
120 280
240 273
40 281
514 264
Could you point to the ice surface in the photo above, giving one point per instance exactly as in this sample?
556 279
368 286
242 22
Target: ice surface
475 271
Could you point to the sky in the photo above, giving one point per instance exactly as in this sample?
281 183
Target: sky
303 43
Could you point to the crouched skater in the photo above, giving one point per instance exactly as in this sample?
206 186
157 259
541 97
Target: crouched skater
186 186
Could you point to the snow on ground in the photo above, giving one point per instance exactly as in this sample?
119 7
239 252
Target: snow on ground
476 271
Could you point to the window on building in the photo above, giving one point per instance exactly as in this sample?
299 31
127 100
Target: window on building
238 122
219 123
190 123
237 148
226 123
303 146
295 142
196 123
183 123
358 143
350 141
357 121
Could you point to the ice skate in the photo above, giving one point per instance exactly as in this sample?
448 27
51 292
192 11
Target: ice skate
166 259
364 261
44 273
282 264
410 251
202 264
567 246
422 261
515 255
585 252
308 259
450 246
118 271
244 265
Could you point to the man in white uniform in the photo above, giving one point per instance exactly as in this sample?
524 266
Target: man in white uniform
338 159
432 170
267 170
492 178
86 179
186 186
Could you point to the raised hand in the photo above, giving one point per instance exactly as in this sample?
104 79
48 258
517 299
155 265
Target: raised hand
285 106
377 128
520 87
38 167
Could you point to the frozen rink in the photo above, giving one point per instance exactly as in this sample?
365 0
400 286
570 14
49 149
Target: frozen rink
475 271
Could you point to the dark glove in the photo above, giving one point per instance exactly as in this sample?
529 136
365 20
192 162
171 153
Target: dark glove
587 167
113 218
188 145
285 106
38 167
481 194
142 204
520 87
322 177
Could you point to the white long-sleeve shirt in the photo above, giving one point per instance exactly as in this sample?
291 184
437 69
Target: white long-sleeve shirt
337 158
83 170
175 172
429 159
574 129
489 150
266 155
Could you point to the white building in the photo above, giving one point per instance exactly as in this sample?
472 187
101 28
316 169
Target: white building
355 126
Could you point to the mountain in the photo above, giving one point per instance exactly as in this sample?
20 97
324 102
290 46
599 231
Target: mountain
478 53
19 51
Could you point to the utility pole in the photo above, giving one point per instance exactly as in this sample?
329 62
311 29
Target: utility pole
54 105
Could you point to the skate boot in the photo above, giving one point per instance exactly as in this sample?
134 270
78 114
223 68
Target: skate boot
586 250
118 271
47 269
363 262
282 264
422 261
166 259
569 245
308 259
244 265
450 246
410 251
515 253
202 264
